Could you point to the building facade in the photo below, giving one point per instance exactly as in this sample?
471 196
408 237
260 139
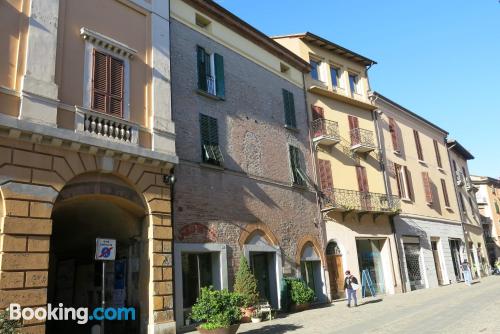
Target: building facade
243 180
87 143
488 201
355 206
430 237
469 212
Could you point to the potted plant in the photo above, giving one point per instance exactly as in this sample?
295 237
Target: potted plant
300 294
245 284
218 310
256 316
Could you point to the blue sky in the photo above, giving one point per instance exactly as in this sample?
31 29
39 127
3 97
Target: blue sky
440 58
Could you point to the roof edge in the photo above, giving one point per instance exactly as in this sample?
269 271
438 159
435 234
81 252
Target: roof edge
455 145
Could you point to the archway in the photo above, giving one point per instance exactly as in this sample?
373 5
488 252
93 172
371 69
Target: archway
335 270
98 206
312 271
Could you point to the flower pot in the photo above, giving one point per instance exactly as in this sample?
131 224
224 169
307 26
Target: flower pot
256 320
246 314
300 307
230 330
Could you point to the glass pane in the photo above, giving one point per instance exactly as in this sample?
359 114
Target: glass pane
189 279
370 259
335 75
352 82
314 70
205 269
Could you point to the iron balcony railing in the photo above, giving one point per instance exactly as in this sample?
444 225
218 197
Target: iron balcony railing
211 85
460 178
351 200
325 128
362 137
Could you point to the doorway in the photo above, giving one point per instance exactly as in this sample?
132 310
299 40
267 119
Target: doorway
335 270
370 260
412 256
437 261
260 267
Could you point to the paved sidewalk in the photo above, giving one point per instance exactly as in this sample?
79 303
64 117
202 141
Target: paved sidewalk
450 309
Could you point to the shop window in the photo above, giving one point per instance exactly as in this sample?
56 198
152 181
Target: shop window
196 274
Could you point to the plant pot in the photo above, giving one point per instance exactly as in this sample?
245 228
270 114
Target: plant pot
230 330
246 314
256 320
300 307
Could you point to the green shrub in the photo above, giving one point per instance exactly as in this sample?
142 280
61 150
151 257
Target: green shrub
217 308
300 293
245 283
8 326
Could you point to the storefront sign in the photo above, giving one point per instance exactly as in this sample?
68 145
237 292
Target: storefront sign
105 249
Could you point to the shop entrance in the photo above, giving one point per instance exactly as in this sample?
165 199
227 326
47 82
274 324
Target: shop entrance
82 214
369 257
411 247
455 257
335 270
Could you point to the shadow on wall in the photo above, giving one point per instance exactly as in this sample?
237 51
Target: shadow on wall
410 226
436 204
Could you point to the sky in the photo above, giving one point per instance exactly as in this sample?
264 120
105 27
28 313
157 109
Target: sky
440 58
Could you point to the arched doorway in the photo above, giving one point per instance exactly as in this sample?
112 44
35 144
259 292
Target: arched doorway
89 207
335 270
311 271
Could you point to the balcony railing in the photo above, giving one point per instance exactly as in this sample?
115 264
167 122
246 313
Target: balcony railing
106 126
211 85
362 140
460 178
325 132
351 200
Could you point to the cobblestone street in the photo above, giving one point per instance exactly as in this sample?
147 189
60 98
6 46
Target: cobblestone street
450 309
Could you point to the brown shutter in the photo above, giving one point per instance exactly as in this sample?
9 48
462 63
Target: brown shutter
100 82
317 113
409 183
398 181
325 174
107 84
354 124
362 179
418 145
393 129
427 187
116 87
438 155
445 193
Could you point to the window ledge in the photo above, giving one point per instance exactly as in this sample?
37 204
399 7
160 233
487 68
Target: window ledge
210 96
299 187
441 169
448 208
291 128
210 166
398 153
406 200
422 162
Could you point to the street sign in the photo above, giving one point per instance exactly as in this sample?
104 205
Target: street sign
105 249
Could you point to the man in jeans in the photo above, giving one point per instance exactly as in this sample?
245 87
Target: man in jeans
467 273
351 285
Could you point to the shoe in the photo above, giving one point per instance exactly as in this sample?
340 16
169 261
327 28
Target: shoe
356 305
348 305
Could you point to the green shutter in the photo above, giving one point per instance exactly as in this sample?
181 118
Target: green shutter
209 134
288 102
295 165
219 75
202 68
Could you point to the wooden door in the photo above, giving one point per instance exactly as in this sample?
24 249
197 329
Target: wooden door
336 273
437 262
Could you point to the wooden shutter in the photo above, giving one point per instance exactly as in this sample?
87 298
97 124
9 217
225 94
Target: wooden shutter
219 76
445 193
325 174
409 183
418 145
317 113
100 81
295 164
208 130
202 68
289 108
116 87
438 155
399 182
362 179
427 187
354 124
107 84
393 129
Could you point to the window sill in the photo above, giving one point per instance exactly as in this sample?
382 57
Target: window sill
407 200
422 162
299 186
441 169
398 153
448 208
291 128
210 166
210 96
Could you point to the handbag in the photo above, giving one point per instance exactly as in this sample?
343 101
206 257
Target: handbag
354 286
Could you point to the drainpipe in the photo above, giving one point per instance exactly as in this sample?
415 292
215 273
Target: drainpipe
388 191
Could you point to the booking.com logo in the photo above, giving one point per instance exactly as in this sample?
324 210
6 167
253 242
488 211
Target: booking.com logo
81 314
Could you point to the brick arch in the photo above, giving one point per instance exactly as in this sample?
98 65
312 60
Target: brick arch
316 245
252 228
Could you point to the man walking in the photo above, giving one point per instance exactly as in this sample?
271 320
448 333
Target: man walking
467 273
351 285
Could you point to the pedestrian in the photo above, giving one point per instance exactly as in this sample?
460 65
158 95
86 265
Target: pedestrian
351 285
467 273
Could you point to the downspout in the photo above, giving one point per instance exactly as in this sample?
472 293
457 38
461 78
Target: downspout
388 191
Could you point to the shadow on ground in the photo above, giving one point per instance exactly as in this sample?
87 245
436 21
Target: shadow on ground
373 301
274 329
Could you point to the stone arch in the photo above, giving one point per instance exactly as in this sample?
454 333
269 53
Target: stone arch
253 228
304 241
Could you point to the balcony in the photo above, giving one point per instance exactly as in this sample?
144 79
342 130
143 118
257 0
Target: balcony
325 132
106 126
343 200
362 140
460 178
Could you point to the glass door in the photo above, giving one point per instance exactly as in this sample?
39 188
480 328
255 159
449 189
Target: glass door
370 261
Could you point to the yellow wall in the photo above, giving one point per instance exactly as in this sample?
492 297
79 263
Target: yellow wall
408 157
182 12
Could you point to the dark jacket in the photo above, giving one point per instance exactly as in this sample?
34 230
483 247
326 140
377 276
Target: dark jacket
348 281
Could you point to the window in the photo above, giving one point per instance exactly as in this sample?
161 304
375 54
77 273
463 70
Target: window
427 187
462 203
315 68
420 154
464 171
445 194
296 166
470 203
403 180
289 105
196 274
335 75
325 174
210 149
454 166
202 21
107 84
438 155
210 73
353 83
393 129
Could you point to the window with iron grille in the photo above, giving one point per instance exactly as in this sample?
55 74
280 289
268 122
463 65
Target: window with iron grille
296 166
210 73
107 84
210 149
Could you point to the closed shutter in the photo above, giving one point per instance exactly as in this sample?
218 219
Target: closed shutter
418 145
409 183
202 68
210 140
427 187
317 113
353 126
289 108
362 179
393 129
319 127
325 174
445 193
438 155
295 164
219 76
107 84
399 182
